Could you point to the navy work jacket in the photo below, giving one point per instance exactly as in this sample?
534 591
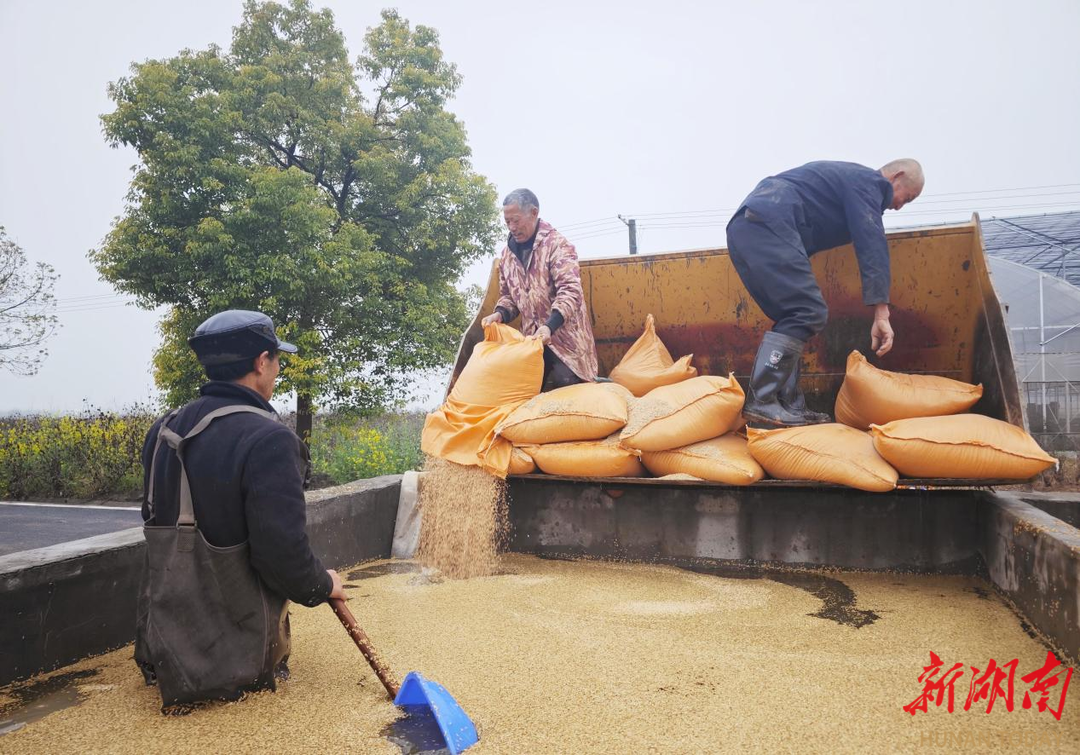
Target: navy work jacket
826 204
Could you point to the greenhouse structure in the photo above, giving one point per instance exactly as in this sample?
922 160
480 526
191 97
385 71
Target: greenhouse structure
1035 262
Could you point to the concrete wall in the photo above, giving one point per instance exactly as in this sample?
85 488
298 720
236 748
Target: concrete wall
1064 506
354 522
65 602
911 530
1034 559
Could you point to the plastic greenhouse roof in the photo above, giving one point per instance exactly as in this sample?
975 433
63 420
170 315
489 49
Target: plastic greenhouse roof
1049 243
1017 287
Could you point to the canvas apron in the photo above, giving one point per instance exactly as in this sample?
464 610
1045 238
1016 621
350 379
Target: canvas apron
207 628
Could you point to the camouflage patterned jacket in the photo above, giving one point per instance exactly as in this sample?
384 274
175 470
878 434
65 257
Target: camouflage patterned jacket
553 281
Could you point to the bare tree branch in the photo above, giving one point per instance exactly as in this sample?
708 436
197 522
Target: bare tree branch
27 309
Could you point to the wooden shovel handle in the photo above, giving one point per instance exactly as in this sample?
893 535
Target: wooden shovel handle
381 670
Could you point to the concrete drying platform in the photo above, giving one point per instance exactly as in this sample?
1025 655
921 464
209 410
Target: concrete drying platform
65 602
26 526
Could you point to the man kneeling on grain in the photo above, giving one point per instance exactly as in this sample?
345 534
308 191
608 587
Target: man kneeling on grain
224 514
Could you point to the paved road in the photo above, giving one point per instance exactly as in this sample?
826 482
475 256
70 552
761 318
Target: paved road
27 526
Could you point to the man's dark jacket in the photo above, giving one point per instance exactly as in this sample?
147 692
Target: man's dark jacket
247 483
826 204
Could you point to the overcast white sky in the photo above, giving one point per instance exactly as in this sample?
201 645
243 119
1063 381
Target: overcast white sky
672 109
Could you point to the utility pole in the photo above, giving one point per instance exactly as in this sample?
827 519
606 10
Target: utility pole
632 225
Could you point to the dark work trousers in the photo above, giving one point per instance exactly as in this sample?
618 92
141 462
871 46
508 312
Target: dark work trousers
778 276
556 373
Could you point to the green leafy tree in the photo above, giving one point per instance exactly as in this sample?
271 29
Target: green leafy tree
27 309
278 176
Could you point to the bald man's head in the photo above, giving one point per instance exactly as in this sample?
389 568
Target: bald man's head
906 177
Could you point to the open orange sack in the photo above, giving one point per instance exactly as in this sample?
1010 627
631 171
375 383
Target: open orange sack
871 396
962 447
825 453
677 415
725 459
648 364
587 458
587 411
505 370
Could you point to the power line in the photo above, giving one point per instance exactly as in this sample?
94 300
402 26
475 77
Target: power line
715 224
722 220
78 301
974 201
92 296
984 210
994 191
97 305
726 212
586 224
583 236
96 308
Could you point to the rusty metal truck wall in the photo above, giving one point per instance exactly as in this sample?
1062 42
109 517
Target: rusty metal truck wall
946 315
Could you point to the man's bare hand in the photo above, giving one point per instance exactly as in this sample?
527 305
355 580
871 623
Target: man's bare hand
881 334
338 591
543 333
494 317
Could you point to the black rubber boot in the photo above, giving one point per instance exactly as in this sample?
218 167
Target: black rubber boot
793 400
776 361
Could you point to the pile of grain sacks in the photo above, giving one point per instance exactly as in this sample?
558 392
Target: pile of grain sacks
659 417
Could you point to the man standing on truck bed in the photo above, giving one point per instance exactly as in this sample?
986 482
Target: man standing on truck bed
786 219
539 278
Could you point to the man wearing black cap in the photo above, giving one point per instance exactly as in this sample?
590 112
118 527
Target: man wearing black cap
225 513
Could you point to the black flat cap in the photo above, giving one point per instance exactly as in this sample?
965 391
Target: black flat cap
234 335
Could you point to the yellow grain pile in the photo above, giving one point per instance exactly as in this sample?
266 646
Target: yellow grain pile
464 519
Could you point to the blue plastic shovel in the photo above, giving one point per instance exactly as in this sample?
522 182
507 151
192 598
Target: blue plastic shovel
417 693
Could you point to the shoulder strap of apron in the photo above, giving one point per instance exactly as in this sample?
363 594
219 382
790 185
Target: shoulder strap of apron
186 519
153 462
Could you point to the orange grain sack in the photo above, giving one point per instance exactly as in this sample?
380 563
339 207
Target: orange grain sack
586 411
725 459
588 458
824 453
677 415
504 371
962 446
648 364
521 462
871 396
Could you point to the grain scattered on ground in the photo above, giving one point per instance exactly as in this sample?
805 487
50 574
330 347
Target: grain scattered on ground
591 657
